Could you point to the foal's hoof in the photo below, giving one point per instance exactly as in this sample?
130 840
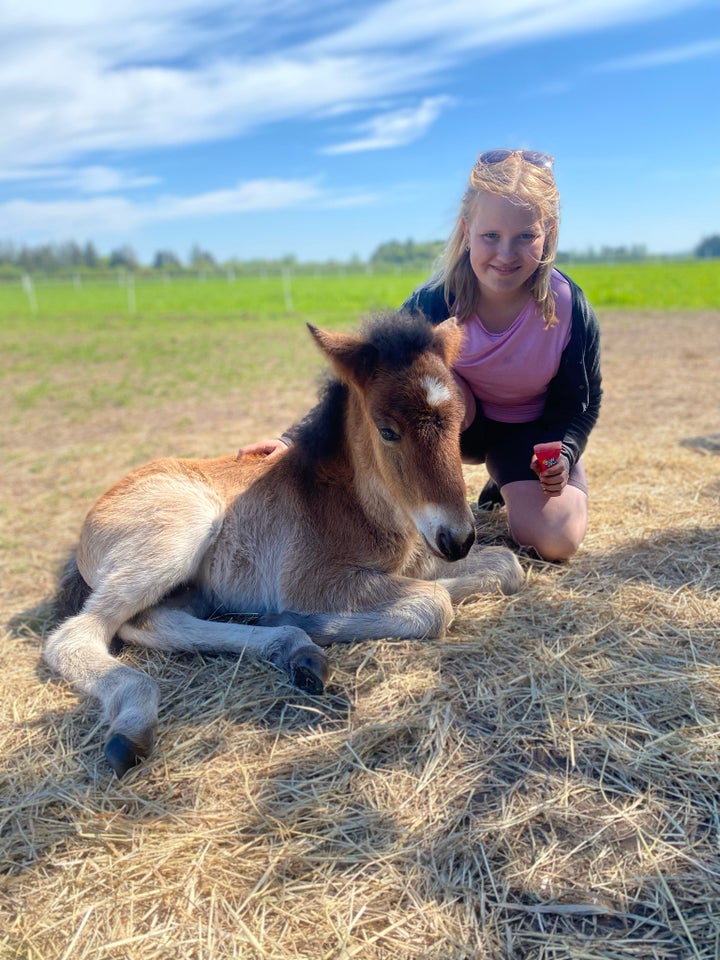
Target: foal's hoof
122 754
309 670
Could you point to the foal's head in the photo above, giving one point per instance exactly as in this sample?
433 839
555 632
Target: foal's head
399 374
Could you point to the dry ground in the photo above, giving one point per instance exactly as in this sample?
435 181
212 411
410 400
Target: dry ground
543 783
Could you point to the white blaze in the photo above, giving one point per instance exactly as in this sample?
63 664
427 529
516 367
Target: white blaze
436 392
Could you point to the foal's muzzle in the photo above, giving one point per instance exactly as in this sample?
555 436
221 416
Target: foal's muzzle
449 534
452 544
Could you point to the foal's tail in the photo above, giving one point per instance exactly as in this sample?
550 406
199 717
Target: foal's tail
72 591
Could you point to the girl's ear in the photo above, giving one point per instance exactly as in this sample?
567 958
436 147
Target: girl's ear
465 230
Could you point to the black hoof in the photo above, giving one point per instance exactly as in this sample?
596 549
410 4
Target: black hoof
309 670
306 680
122 754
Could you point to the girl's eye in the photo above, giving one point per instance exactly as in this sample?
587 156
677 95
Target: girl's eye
388 434
528 237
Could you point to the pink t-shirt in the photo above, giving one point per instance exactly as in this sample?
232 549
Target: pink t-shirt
509 372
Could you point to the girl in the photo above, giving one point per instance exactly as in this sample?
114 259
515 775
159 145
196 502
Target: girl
530 368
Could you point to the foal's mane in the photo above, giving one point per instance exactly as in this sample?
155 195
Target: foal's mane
399 338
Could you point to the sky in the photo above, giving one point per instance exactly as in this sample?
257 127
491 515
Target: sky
323 128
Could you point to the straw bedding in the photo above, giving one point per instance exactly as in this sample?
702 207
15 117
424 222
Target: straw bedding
542 783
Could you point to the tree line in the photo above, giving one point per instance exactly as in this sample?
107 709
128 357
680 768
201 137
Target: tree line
72 257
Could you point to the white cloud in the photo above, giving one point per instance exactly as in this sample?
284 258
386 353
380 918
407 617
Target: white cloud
245 197
661 58
102 216
84 180
108 180
95 108
395 128
32 173
467 24
76 79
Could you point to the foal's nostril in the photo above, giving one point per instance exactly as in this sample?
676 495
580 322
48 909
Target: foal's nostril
452 545
442 541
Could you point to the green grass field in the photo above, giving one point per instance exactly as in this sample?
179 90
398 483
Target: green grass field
677 284
198 335
330 298
661 284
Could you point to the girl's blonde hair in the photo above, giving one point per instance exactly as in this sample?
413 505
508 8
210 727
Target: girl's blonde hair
527 184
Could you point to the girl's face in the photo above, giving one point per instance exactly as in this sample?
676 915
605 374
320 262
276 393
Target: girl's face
506 245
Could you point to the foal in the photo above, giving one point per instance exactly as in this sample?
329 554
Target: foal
361 530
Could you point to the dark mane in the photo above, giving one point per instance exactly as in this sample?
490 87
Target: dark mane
399 338
319 433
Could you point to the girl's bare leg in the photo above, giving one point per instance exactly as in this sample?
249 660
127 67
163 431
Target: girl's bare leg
554 526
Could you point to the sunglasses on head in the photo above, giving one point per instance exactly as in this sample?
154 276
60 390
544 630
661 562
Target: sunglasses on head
534 157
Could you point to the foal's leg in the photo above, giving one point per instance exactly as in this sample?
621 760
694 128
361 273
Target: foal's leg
419 608
387 606
137 548
484 570
172 628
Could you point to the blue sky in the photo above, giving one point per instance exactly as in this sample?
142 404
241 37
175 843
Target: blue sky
322 129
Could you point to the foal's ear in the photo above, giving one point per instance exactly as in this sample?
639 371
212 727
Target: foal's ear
351 358
448 340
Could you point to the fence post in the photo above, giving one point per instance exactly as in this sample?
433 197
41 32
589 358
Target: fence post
287 290
130 285
29 290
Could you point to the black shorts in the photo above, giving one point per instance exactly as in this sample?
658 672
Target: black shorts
506 449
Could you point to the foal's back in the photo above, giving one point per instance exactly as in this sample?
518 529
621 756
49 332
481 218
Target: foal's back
267 533
172 496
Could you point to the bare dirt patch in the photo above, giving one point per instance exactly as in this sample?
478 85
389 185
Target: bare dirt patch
541 783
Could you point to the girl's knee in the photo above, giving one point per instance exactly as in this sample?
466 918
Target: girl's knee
557 547
551 543
554 527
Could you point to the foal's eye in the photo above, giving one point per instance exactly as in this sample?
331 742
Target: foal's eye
388 434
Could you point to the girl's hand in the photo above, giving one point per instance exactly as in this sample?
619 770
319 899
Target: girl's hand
553 479
264 448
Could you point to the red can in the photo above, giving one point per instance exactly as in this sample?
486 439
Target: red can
548 454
